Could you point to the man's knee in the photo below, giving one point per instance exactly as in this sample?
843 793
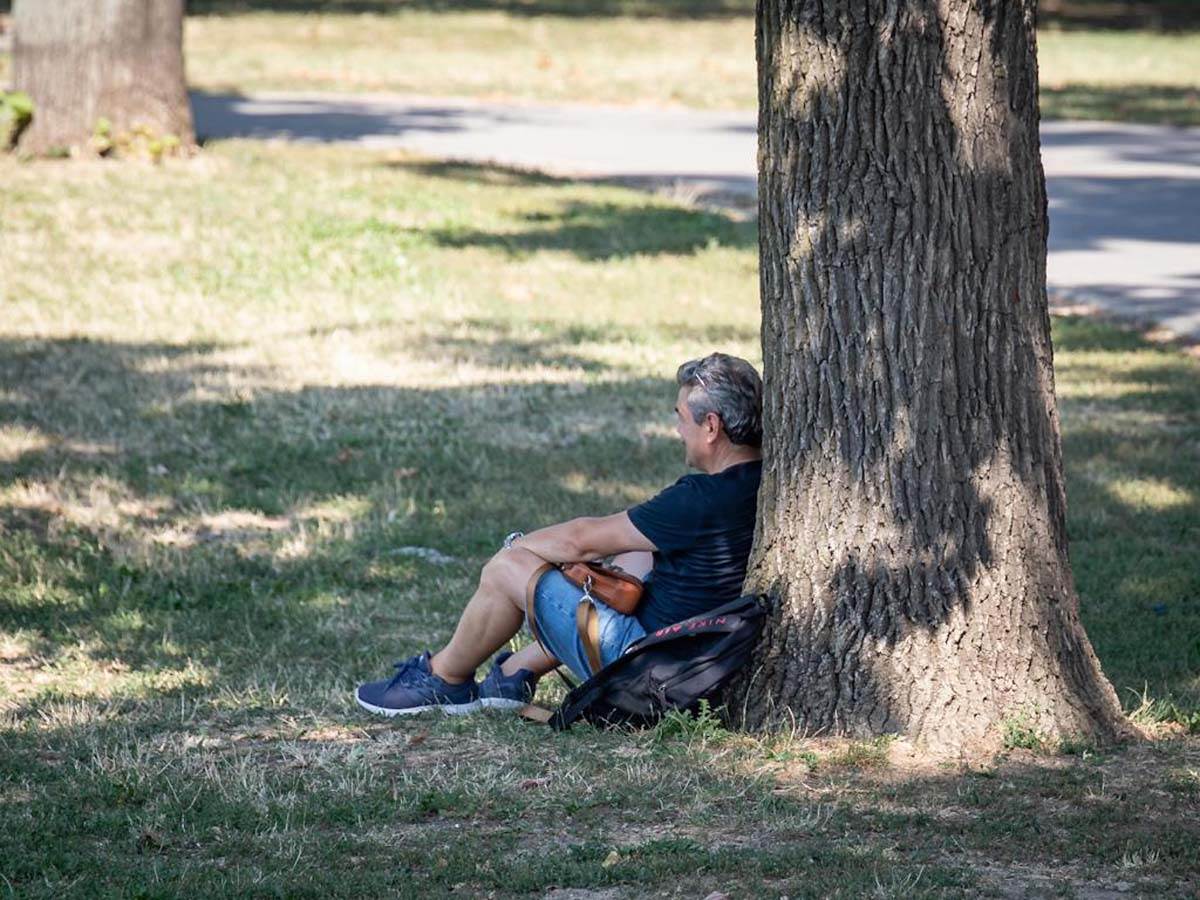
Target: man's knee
498 569
509 571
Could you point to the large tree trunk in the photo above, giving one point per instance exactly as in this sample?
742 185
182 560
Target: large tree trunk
912 514
86 60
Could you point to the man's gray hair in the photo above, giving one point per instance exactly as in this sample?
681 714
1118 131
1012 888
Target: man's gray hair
729 387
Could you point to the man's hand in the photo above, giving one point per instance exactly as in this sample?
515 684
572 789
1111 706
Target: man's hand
585 539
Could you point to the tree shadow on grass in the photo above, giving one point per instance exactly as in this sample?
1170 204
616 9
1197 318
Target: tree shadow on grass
147 524
553 344
167 513
594 230
1151 15
1151 103
505 343
1134 508
148 788
599 231
478 173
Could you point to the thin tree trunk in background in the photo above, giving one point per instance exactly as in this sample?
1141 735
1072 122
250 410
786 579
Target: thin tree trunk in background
911 524
86 60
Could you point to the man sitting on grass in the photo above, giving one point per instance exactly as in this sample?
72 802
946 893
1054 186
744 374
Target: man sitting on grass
693 539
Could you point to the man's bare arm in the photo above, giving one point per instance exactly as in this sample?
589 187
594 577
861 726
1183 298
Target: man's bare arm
585 538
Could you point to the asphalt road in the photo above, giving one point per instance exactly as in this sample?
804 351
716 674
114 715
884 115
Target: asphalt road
1124 199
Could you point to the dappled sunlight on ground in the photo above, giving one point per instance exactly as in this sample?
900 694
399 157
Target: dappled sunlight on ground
1151 493
217 515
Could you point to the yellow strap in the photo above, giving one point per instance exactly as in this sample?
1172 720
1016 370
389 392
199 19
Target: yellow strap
530 589
587 620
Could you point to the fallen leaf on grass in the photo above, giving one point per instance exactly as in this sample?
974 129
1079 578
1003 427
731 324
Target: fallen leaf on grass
611 860
530 783
417 739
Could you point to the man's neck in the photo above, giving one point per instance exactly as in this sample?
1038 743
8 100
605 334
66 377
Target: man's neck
733 455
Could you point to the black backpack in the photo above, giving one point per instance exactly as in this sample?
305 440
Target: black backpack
672 668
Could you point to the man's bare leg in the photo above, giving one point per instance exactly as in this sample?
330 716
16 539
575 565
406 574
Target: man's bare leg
532 658
492 616
496 612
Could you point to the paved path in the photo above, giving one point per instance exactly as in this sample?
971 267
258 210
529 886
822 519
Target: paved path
1124 199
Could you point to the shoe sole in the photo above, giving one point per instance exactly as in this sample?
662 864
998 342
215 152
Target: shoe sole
502 703
450 709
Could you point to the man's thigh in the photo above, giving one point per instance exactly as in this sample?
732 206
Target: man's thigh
555 603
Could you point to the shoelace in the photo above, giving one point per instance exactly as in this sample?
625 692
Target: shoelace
403 667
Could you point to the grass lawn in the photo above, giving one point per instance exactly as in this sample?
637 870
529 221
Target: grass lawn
234 390
615 51
1137 76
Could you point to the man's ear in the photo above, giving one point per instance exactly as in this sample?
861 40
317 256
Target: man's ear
712 426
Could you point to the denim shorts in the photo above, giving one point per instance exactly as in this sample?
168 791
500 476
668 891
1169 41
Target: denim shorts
555 602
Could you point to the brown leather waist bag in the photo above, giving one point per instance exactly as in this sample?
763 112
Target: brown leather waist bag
613 586
616 587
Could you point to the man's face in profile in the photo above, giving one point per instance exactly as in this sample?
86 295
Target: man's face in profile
693 435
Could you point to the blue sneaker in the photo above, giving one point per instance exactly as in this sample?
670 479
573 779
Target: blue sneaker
501 691
414 688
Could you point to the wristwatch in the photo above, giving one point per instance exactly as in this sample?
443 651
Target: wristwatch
508 541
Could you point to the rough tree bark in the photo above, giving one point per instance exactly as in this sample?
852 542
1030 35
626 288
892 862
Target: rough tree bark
911 525
86 60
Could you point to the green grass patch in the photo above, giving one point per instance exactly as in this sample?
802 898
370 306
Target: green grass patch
1020 733
628 55
1126 76
702 61
861 754
236 391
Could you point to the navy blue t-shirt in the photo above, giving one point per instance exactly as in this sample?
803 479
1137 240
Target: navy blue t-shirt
703 526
